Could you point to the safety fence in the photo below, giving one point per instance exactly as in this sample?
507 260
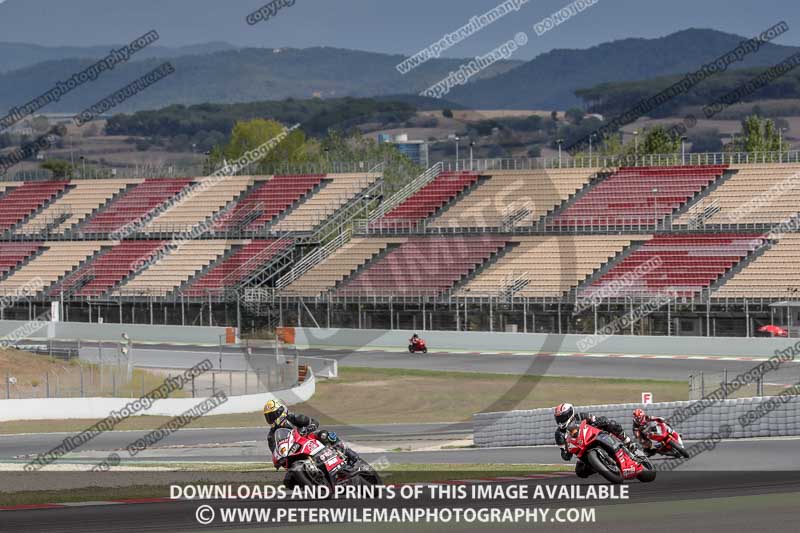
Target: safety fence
775 416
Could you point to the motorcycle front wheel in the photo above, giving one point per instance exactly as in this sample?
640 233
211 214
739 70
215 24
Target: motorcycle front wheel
681 451
304 474
604 465
649 472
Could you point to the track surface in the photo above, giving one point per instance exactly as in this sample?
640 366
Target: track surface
694 502
561 365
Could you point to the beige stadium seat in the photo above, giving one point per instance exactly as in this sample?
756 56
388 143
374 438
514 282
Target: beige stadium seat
174 268
341 190
772 275
60 258
756 194
75 205
209 196
551 265
338 266
529 193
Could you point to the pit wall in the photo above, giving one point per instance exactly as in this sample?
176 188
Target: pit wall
539 342
138 333
100 408
537 427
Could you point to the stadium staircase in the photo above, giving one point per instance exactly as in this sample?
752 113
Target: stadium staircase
741 265
28 200
426 201
697 203
624 199
459 196
134 205
408 190
573 198
75 228
607 267
426 266
689 263
494 258
279 193
14 256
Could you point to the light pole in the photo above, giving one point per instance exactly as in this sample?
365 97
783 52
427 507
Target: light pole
683 150
780 144
655 207
592 136
636 146
471 145
456 139
559 141
83 164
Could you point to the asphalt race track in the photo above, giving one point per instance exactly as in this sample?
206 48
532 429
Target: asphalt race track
561 365
731 501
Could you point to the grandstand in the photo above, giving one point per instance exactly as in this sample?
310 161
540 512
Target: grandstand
512 238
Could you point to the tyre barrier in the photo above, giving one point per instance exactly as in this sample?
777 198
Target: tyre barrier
772 416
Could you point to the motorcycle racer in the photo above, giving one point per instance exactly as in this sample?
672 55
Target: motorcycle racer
644 426
278 416
566 415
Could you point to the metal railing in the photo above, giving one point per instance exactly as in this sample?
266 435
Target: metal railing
601 161
313 259
409 189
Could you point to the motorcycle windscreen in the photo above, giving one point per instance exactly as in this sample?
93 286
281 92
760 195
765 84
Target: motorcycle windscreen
283 442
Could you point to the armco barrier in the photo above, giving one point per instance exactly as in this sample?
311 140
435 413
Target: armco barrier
539 342
99 408
86 331
536 427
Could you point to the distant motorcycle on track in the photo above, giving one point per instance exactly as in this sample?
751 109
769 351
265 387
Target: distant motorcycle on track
417 345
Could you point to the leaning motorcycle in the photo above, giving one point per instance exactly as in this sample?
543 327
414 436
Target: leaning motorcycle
607 455
664 440
309 462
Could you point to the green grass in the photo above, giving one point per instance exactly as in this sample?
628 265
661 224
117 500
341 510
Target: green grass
385 396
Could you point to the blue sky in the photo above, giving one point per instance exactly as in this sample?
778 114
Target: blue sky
378 25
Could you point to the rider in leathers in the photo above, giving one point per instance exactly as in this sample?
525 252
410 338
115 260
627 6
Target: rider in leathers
278 416
565 414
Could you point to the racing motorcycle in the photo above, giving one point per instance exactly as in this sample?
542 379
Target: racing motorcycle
607 455
309 462
417 345
662 439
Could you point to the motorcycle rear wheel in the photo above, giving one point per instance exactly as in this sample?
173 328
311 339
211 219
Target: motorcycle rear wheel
600 466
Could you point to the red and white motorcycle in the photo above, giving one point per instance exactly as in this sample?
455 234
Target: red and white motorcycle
309 462
606 454
659 437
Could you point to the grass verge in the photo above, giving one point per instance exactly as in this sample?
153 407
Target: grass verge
386 396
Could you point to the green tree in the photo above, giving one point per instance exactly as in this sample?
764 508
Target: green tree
447 113
251 134
658 141
575 115
59 168
758 135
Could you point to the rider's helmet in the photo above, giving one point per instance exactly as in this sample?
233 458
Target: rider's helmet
564 414
639 417
275 413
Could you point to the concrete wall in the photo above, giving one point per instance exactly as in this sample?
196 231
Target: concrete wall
99 408
85 331
541 343
536 427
